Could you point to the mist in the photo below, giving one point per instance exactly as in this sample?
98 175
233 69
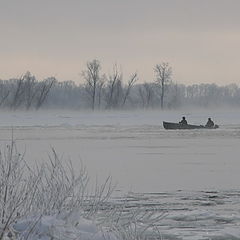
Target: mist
119 120
114 91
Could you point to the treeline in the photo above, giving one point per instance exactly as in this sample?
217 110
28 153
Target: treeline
113 91
25 92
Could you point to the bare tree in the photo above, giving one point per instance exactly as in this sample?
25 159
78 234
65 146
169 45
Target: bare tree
100 90
163 75
43 91
174 97
4 93
30 89
131 82
92 77
18 95
146 94
113 87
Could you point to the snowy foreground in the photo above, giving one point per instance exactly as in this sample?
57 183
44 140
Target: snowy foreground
58 227
176 184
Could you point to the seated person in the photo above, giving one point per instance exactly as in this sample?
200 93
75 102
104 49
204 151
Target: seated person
184 121
209 123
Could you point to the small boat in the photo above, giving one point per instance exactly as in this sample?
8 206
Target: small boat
171 125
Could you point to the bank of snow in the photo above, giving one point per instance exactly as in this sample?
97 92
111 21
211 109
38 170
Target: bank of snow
61 227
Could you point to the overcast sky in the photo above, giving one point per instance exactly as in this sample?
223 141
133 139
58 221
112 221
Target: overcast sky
200 39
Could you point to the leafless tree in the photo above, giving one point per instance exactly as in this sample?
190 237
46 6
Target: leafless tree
146 94
19 93
113 87
92 77
31 89
163 75
4 93
100 90
43 91
131 82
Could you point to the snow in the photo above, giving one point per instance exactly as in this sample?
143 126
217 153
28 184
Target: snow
190 176
58 227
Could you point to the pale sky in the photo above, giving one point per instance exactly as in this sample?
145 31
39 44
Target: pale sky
199 38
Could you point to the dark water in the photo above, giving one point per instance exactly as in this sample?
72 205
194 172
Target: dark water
190 215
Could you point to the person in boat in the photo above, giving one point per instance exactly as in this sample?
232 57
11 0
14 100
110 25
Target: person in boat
209 123
184 121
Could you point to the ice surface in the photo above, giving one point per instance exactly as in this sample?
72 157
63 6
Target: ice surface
192 214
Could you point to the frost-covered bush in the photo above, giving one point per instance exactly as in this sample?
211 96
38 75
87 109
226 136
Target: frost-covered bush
51 201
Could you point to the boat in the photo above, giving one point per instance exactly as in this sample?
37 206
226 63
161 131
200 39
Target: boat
171 125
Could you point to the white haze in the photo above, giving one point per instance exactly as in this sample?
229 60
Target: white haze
133 147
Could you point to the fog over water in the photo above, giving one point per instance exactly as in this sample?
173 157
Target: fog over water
134 148
94 81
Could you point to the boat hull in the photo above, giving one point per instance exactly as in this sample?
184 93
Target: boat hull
173 126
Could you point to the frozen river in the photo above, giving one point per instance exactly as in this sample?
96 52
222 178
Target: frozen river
192 175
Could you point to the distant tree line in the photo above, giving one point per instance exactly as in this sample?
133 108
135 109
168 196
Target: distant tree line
25 92
101 91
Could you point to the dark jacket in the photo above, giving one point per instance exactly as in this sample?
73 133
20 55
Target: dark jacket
184 122
209 123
